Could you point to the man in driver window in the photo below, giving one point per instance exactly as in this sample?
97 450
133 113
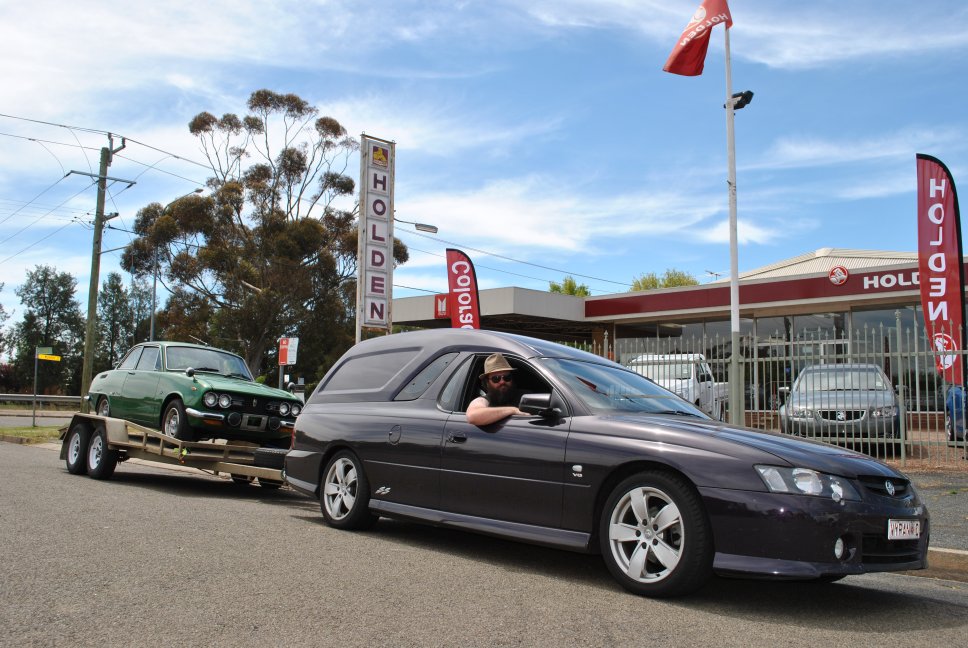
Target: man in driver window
501 397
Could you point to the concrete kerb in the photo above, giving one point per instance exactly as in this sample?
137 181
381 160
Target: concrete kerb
944 564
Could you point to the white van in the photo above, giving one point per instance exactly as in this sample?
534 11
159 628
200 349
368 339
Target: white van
687 375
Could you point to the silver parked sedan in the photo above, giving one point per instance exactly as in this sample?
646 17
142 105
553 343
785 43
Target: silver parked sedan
841 401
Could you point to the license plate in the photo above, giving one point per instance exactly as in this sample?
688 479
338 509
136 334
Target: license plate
903 529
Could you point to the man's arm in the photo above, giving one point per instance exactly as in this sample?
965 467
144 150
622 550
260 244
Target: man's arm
480 414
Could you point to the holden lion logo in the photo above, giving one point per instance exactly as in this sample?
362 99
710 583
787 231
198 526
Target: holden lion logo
699 16
947 350
838 275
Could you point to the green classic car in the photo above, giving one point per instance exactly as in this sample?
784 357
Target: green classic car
192 392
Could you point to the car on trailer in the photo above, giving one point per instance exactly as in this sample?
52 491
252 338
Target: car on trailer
193 392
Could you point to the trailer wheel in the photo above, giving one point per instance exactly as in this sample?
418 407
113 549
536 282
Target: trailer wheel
175 421
271 484
344 493
101 458
242 480
78 440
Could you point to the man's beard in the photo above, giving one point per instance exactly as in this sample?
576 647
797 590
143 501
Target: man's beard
497 397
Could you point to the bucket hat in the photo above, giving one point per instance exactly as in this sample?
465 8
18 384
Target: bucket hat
495 363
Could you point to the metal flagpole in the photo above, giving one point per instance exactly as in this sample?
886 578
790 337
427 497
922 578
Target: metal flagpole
736 404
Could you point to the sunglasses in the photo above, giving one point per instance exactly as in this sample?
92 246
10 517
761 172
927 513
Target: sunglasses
501 378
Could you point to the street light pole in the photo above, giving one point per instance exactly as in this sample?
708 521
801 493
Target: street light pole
154 283
423 227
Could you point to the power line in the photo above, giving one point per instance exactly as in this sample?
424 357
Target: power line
36 220
508 272
507 258
27 204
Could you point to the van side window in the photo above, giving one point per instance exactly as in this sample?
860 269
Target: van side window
416 387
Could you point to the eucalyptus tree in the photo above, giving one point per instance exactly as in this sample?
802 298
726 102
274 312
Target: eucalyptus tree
271 250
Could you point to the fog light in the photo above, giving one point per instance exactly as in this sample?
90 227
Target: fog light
274 423
839 548
235 419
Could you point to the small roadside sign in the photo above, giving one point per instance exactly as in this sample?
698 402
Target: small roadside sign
44 351
48 356
288 348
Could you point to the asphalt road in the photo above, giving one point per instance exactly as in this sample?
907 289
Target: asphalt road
158 557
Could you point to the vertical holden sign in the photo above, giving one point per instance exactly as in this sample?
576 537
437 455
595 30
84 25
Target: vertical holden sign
374 292
940 266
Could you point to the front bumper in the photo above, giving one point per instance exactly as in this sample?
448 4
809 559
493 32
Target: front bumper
239 423
774 535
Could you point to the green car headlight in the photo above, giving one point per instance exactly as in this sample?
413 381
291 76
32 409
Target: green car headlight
283 409
210 399
804 481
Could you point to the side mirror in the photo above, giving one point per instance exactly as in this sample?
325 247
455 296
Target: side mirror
539 405
189 372
782 394
290 387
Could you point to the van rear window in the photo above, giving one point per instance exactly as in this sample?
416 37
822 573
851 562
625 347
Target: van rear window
369 372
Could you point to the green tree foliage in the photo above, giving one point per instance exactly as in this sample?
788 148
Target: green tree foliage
569 286
670 279
52 318
271 251
4 336
115 323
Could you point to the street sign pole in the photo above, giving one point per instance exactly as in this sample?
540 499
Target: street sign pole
33 410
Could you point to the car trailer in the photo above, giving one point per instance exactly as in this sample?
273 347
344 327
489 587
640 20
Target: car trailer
94 445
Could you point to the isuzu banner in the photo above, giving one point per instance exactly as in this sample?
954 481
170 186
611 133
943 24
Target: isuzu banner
940 268
462 300
375 263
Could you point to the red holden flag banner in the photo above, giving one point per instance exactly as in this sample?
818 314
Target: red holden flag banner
940 269
462 299
689 54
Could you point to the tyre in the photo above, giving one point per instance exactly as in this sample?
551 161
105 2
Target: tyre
175 422
242 480
101 459
103 406
344 493
78 440
654 536
271 484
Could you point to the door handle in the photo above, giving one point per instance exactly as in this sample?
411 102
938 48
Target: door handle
456 437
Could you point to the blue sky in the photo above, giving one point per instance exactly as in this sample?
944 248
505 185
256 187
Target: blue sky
542 138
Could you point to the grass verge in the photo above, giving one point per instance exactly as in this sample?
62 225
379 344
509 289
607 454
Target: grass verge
30 434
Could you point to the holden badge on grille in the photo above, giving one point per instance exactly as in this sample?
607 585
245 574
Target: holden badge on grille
889 487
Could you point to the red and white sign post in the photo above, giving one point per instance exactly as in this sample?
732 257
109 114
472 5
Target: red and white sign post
288 348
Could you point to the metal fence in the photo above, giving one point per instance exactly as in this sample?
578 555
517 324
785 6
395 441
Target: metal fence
876 390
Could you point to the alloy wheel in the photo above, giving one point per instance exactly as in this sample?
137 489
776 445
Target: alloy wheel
646 534
340 489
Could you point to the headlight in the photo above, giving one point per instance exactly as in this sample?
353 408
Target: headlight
803 481
884 412
283 409
210 399
296 408
224 401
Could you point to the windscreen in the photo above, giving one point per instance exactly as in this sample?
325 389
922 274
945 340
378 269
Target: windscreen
663 370
836 379
210 360
612 390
